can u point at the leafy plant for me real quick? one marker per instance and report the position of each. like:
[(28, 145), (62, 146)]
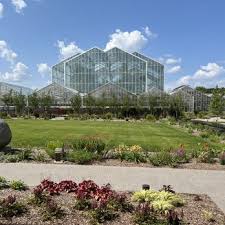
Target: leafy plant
[(52, 210), (150, 118), (174, 218), (144, 196), (209, 216), (167, 188), (39, 196), (161, 201), (10, 207), (206, 156), (18, 185), (25, 154), (145, 214), (222, 158), (81, 157), (11, 158), (101, 213), (108, 116), (3, 183), (89, 143), (180, 155), (162, 205), (163, 159), (133, 153)]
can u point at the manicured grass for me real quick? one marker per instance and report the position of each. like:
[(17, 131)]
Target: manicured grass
[(152, 136)]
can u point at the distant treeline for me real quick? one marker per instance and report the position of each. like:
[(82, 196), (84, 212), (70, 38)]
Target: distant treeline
[(211, 90)]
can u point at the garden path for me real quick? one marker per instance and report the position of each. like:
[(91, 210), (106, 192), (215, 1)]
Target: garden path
[(208, 182)]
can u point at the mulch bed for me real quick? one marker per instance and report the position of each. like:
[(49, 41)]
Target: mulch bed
[(193, 211)]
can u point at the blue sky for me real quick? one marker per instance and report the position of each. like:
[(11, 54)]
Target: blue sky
[(188, 37)]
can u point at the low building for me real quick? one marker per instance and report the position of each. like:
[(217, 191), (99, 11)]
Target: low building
[(59, 93), (5, 88), (194, 100)]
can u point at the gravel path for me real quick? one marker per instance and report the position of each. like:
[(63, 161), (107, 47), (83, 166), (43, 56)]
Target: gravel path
[(207, 182)]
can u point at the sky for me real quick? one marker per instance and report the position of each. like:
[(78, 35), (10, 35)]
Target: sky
[(187, 36)]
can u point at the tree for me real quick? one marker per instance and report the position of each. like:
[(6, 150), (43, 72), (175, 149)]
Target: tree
[(176, 106), (152, 103), (8, 99), (33, 102), (76, 103), (217, 103), (46, 102), (19, 101)]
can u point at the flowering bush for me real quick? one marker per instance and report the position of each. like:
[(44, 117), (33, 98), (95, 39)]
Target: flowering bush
[(180, 155), (207, 154), (133, 153)]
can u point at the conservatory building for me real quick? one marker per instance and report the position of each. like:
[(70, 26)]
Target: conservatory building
[(96, 70)]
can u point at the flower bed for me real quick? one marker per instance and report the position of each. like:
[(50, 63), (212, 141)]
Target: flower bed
[(84, 203)]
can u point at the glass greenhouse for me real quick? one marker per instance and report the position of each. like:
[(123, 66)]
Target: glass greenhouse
[(5, 88), (88, 71)]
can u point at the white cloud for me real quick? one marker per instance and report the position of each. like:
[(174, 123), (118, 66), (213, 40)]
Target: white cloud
[(19, 5), (18, 73), (174, 69), (149, 33), (209, 76), (170, 61), (6, 53), (1, 10), (129, 41), (67, 50), (172, 64), (44, 69), (185, 80), (211, 70)]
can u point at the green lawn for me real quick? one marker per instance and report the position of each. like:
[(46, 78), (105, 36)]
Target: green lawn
[(151, 136)]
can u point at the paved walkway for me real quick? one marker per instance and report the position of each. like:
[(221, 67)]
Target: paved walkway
[(211, 182)]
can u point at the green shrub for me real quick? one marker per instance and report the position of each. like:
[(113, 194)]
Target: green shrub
[(207, 154), (40, 156), (11, 158), (150, 118), (204, 134), (3, 183), (132, 157), (81, 157), (3, 115), (54, 144), (51, 146), (222, 158), (108, 116), (163, 159), (18, 185), (85, 116), (89, 143), (25, 154)]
